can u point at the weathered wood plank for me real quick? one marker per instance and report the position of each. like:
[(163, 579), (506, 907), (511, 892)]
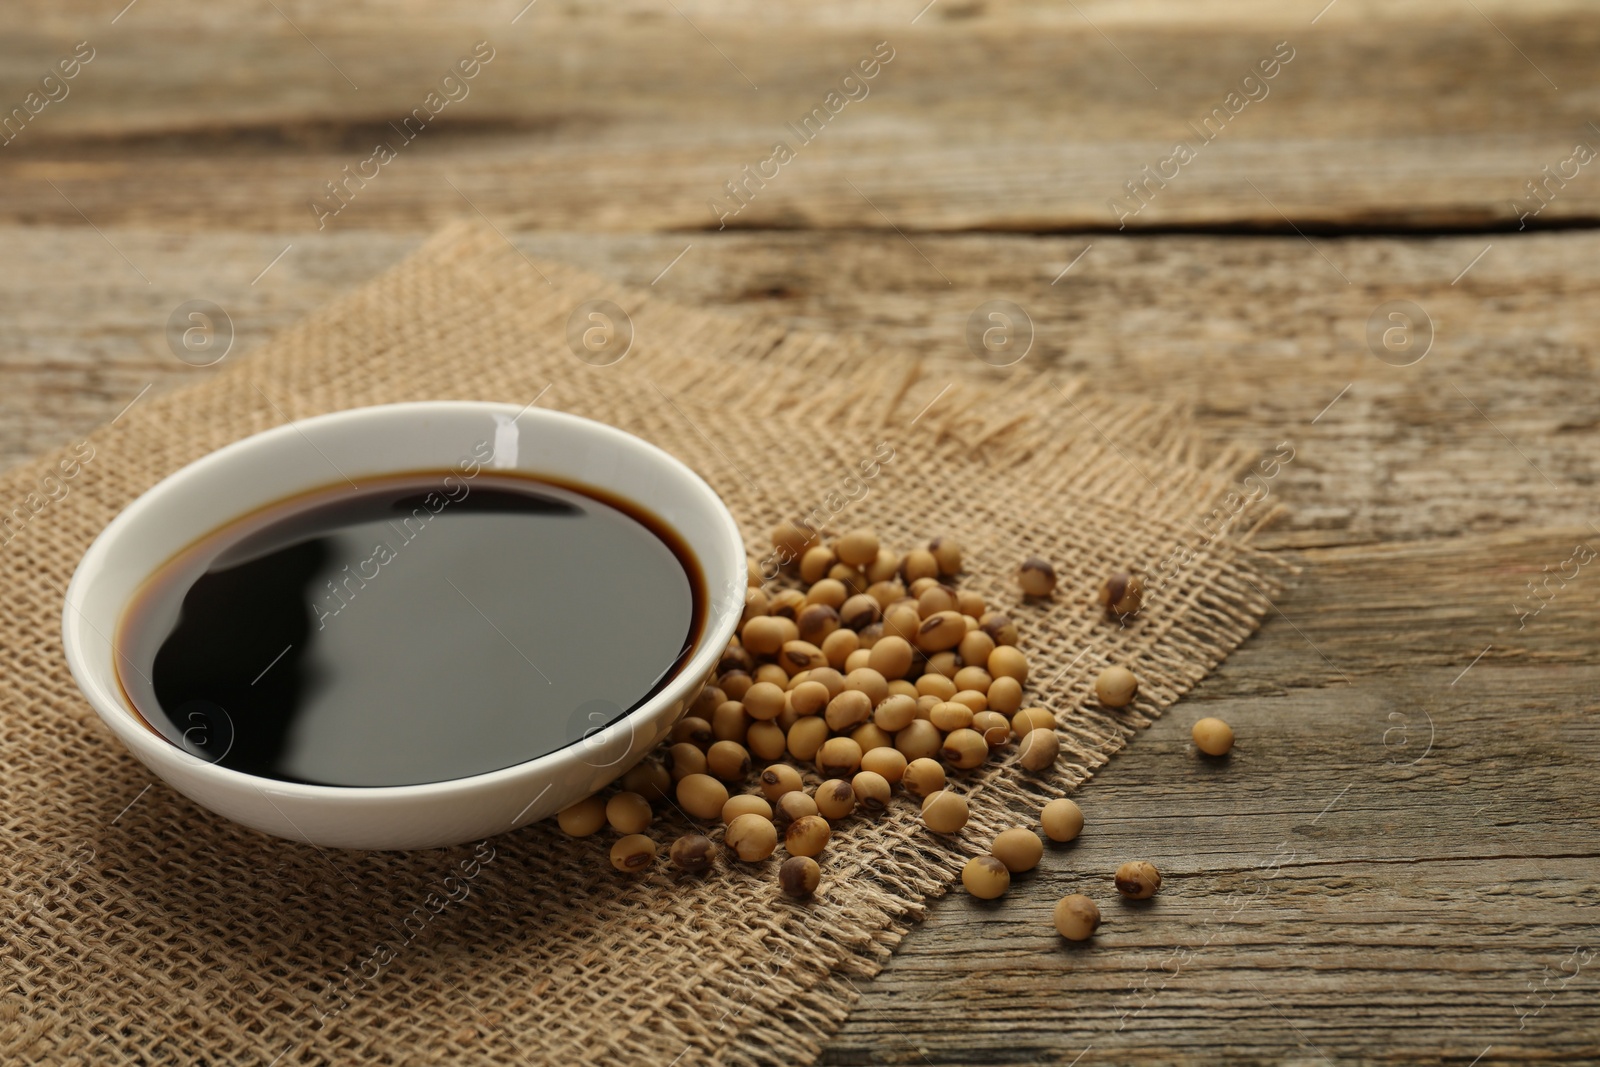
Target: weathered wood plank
[(1338, 890), (1259, 334), (1020, 117)]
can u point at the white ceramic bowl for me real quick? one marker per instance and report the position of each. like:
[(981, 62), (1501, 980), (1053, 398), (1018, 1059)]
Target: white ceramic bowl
[(282, 462)]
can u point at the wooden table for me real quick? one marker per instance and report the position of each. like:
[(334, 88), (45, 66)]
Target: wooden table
[(1409, 816)]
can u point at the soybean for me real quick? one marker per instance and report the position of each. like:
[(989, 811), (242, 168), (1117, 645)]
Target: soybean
[(937, 598), (767, 740), (1007, 662), (883, 568), (902, 620), (886, 592), (799, 877), (829, 678), (778, 779), (809, 697), (746, 804), (692, 853), (948, 715), (1123, 594), (923, 777), (816, 622), (1076, 917), (972, 700), (975, 647), (1019, 849), (728, 760), (765, 634), (944, 812), (1036, 577), (702, 796), (629, 813), (850, 577), (995, 727), (985, 877), (919, 563), (1116, 687), (921, 738), (965, 749), (633, 854), (685, 759), (797, 656), (770, 673), (891, 656), (1137, 880), (848, 709), (835, 799), (829, 592), (583, 818), (806, 737), (872, 792), (786, 604), (838, 646), (888, 761), (786, 718), (730, 721), (694, 730), (839, 756), (868, 681), (649, 779), (1062, 819), (858, 548), (707, 702), (999, 627), (973, 678), (944, 664), (735, 658), (946, 552), (1032, 719), (1038, 749), (871, 737), (791, 539), (807, 836), (1005, 695), (940, 631), (792, 806), (751, 837), (764, 701), (895, 712), (816, 563), (733, 684), (1212, 736), (860, 611)]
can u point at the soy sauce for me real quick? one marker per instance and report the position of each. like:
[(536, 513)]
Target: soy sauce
[(419, 628)]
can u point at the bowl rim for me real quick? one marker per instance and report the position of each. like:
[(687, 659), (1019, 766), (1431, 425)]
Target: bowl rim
[(109, 703)]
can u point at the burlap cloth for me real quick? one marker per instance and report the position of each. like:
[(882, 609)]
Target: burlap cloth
[(139, 928)]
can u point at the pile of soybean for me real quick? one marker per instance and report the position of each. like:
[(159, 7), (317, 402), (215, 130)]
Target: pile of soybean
[(878, 673)]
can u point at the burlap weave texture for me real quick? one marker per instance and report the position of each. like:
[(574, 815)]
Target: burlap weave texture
[(140, 928)]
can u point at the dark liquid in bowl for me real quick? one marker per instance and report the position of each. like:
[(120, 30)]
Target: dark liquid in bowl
[(423, 628)]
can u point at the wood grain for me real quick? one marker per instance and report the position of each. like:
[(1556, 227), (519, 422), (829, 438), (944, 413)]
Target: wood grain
[(1258, 335), (991, 116), (1420, 888)]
